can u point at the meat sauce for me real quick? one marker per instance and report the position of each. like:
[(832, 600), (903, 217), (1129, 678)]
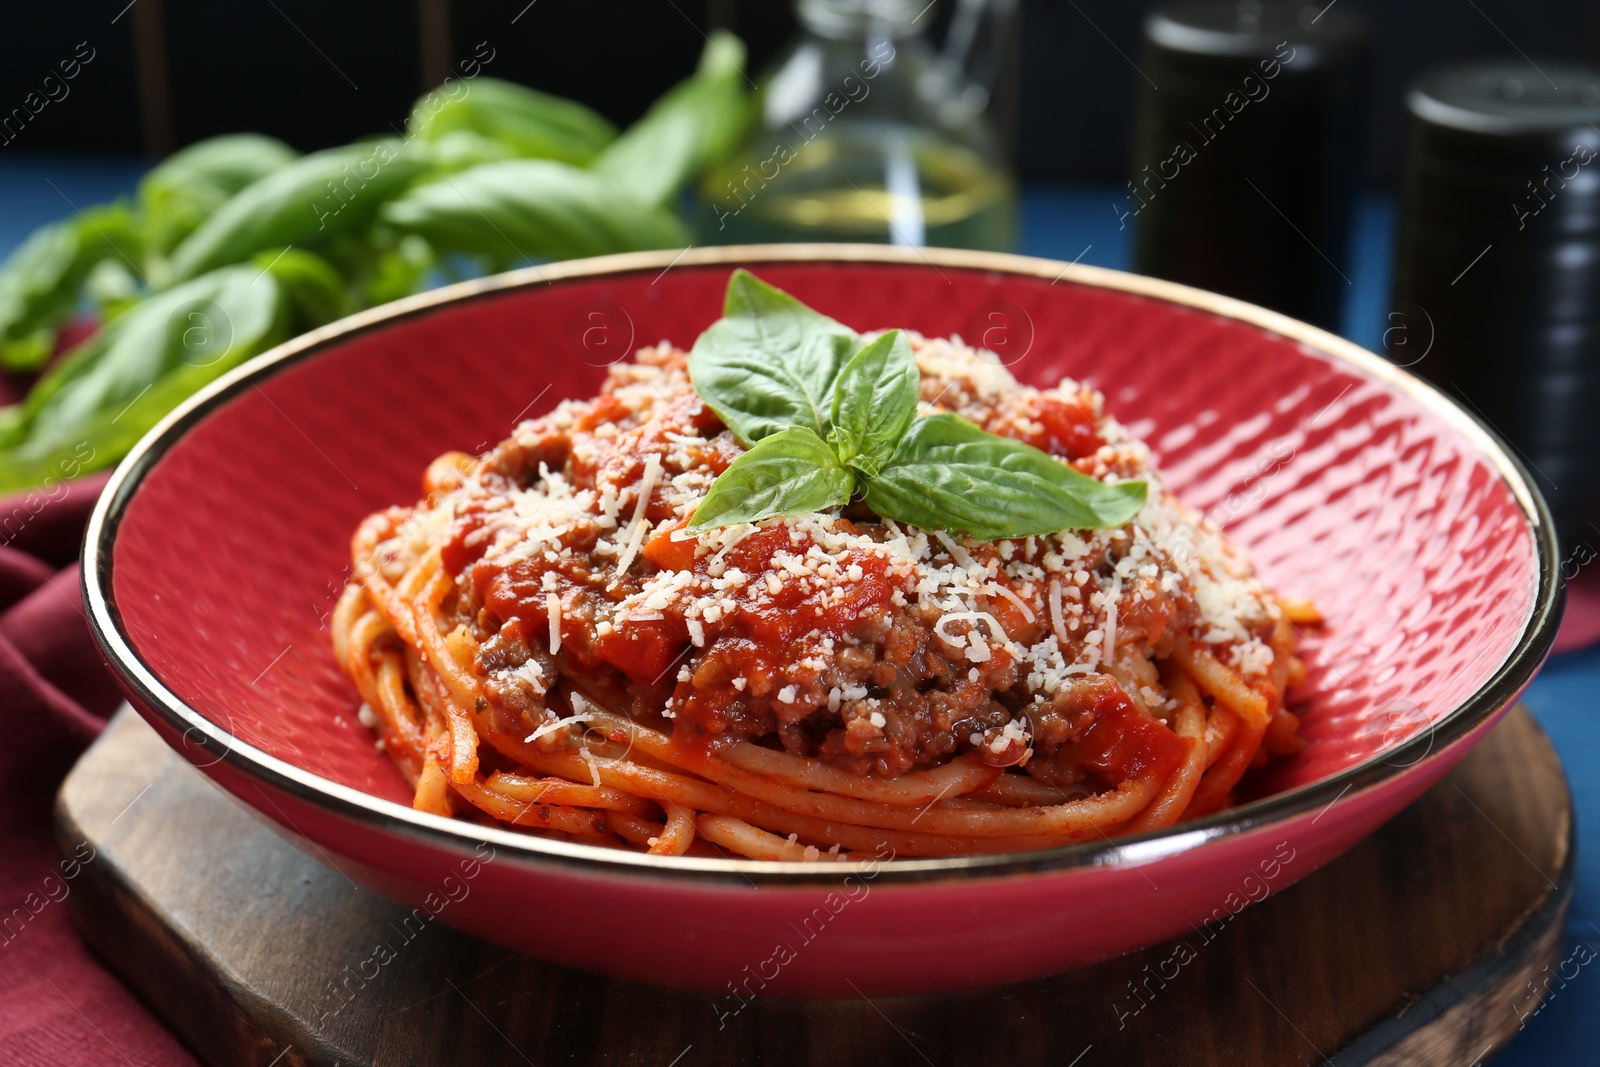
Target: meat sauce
[(848, 662)]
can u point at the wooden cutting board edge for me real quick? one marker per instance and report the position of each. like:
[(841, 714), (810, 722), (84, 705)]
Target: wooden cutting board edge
[(1450, 1017), (1445, 1023)]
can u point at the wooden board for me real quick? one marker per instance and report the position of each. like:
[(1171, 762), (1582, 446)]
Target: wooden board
[(1415, 948)]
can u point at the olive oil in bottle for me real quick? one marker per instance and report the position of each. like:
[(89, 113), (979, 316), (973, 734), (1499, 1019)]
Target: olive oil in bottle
[(867, 135)]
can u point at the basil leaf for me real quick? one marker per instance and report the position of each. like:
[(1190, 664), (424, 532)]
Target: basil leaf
[(177, 195), (788, 473), (874, 401), (42, 279), (91, 407), (112, 287), (529, 123), (39, 284), (305, 202), (317, 294), (696, 123), (531, 209), (949, 475), (380, 265), (460, 149), (770, 362)]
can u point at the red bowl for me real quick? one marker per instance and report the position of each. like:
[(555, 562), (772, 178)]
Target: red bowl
[(216, 553)]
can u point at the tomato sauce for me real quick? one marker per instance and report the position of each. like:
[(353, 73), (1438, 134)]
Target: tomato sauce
[(1123, 742), (756, 642)]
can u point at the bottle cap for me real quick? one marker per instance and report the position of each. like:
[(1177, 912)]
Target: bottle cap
[(1251, 29)]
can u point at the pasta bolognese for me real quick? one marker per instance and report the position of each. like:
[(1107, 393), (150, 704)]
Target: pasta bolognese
[(549, 639)]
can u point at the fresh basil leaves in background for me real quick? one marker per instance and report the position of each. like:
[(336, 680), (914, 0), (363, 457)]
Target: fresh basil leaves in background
[(102, 397), (542, 209), (826, 416), (240, 237), (550, 206), (694, 125), (41, 280), (181, 192), (301, 203), (527, 122)]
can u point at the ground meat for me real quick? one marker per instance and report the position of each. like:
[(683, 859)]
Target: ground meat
[(876, 648)]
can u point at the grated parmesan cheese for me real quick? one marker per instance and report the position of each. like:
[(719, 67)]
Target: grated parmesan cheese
[(1022, 605), (580, 713), (552, 607), (637, 526)]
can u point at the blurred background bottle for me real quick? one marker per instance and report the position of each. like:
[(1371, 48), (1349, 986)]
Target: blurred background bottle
[(867, 133), (1498, 261), (1246, 153)]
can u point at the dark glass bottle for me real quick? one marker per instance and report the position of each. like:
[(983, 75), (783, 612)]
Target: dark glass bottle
[(1246, 151), (1497, 265)]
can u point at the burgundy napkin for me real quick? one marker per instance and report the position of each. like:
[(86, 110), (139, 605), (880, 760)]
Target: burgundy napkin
[(58, 1005)]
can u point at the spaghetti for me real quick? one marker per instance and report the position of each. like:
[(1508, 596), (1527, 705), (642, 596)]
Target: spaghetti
[(542, 642)]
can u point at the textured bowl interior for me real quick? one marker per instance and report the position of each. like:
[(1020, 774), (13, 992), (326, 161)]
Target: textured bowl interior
[(1345, 489)]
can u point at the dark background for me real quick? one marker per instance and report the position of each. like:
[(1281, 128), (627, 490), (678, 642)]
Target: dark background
[(315, 73)]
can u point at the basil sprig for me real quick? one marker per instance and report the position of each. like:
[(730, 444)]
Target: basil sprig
[(827, 416)]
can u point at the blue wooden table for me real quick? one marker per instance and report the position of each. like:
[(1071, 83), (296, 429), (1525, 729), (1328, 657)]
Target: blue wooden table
[(1080, 223)]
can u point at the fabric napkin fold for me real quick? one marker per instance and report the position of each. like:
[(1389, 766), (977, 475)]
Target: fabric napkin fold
[(58, 1005)]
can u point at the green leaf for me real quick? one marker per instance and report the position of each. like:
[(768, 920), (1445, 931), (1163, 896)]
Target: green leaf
[(529, 123), (874, 401), (316, 291), (461, 149), (305, 202), (179, 193), (696, 123), (91, 407), (788, 473), (112, 286), (770, 362), (42, 279), (531, 209), (949, 475), (395, 270), (39, 284)]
